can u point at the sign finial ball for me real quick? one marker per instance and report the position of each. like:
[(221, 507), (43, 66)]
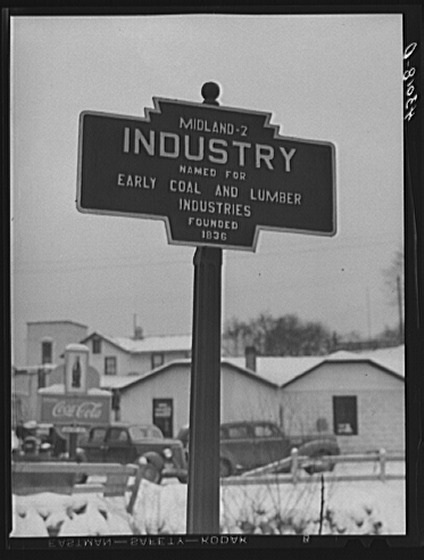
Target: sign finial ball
[(210, 92)]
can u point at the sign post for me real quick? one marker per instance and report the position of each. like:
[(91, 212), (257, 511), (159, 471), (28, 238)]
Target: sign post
[(205, 393)]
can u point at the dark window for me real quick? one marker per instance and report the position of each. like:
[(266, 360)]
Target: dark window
[(345, 411), (265, 430), (98, 434), (41, 378), (163, 416), (46, 352), (236, 432), (157, 360), (118, 434), (97, 345), (110, 365)]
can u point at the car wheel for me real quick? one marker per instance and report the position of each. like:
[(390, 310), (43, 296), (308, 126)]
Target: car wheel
[(152, 473), (225, 468)]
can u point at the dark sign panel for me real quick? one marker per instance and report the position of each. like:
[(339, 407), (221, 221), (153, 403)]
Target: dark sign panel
[(216, 175)]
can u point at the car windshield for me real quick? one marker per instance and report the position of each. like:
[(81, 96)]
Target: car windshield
[(138, 432)]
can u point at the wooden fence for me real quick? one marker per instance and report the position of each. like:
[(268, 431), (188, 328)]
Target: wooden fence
[(295, 465), (62, 477)]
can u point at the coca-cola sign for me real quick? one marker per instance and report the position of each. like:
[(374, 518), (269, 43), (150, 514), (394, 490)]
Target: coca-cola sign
[(76, 410)]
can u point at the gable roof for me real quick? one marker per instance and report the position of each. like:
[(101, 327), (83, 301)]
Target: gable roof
[(148, 344), (280, 369), (283, 370), (122, 383)]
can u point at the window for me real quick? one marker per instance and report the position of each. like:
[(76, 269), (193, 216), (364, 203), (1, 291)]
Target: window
[(47, 352), (264, 430), (41, 378), (110, 365), (163, 416), (236, 432), (157, 360), (118, 434), (98, 434), (97, 345), (345, 411)]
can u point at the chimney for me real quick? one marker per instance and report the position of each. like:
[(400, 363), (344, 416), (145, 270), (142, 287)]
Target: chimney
[(138, 331), (250, 354)]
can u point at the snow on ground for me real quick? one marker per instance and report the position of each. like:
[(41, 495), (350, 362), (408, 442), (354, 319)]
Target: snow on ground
[(355, 507)]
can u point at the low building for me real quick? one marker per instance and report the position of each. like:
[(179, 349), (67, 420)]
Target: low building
[(162, 396), (360, 397)]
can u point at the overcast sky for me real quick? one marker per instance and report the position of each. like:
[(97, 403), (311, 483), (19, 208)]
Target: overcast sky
[(331, 78)]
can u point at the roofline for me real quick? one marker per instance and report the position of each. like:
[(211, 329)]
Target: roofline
[(107, 339), (187, 361), (344, 361), (55, 322), (132, 352)]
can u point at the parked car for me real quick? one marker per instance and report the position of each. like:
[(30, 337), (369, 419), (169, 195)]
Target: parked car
[(38, 442), (134, 443), (247, 445)]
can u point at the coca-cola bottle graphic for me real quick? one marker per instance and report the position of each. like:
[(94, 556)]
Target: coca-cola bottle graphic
[(76, 373)]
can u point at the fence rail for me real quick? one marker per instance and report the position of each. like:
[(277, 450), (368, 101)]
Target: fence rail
[(62, 478), (295, 465)]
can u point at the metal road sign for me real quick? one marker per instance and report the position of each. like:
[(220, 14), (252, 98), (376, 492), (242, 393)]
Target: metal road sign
[(215, 175)]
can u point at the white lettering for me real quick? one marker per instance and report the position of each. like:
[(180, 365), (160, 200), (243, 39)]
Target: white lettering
[(265, 153), (241, 146), (201, 149), (85, 410), (224, 154), (148, 146), (287, 156), (162, 145)]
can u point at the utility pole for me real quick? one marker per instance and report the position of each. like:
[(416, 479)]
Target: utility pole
[(399, 293)]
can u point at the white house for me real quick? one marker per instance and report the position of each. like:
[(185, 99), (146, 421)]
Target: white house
[(122, 356), (162, 396)]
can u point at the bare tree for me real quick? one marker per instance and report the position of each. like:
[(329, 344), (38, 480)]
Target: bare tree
[(283, 336), (394, 280)]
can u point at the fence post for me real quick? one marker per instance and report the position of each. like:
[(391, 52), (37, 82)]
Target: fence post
[(294, 463), (383, 459)]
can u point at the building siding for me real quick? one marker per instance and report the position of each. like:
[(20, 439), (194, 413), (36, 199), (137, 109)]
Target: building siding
[(137, 400), (246, 398), (242, 397), (60, 333), (380, 405)]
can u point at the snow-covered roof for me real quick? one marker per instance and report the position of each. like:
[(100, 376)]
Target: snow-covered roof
[(279, 369), (59, 388), (165, 343), (156, 343), (122, 382), (283, 369)]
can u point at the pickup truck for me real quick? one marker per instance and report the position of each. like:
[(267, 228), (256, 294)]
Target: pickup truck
[(247, 445), (134, 443)]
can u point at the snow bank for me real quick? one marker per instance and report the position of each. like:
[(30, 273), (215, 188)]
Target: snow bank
[(49, 514), (350, 508)]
